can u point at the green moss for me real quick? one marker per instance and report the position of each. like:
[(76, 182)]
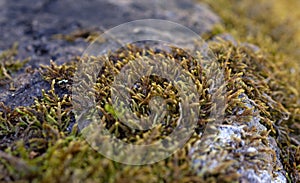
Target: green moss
[(87, 35), (40, 140), (41, 143), (9, 65), (274, 27)]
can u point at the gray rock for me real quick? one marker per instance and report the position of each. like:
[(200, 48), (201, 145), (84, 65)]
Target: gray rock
[(255, 160)]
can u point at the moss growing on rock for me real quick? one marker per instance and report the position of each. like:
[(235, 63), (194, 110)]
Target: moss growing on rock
[(41, 142), (9, 64)]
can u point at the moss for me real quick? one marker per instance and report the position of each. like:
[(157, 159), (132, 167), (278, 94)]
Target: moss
[(41, 143), (274, 27), (38, 147), (9, 64), (253, 74), (87, 35), (62, 74)]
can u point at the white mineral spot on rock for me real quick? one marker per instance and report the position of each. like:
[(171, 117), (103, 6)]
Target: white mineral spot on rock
[(251, 150)]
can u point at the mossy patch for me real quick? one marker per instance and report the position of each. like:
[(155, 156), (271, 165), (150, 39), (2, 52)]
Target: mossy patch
[(87, 35), (42, 143), (9, 64), (274, 27), (47, 147)]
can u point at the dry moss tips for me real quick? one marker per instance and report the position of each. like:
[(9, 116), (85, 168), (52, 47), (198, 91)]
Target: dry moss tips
[(140, 93)]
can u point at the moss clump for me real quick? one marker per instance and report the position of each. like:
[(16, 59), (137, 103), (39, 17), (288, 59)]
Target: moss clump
[(47, 146), (48, 149), (274, 27), (41, 143), (87, 35), (63, 74), (9, 65), (252, 73)]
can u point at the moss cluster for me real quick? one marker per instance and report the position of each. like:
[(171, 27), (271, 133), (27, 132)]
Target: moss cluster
[(87, 35), (9, 64), (274, 27), (41, 142), (255, 78)]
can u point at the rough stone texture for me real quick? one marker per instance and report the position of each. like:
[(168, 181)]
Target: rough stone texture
[(33, 25), (255, 160)]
